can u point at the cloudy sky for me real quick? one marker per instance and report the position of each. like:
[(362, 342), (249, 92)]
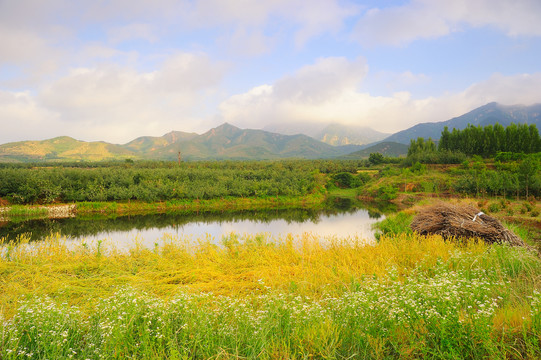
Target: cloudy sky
[(114, 70)]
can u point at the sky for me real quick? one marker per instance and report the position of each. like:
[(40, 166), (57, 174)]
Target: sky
[(114, 70)]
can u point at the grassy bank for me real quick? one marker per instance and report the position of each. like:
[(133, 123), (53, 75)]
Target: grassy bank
[(23, 211), (114, 208), (254, 297), (222, 204)]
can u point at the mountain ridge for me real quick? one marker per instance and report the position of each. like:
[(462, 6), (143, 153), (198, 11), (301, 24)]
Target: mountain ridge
[(225, 141), (488, 114)]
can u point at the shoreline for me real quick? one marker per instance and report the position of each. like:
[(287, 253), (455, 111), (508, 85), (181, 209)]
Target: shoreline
[(107, 208)]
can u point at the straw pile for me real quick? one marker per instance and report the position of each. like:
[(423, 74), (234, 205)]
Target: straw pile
[(464, 221)]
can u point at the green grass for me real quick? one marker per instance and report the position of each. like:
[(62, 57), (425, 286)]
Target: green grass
[(223, 204), (114, 208), (26, 211), (393, 225)]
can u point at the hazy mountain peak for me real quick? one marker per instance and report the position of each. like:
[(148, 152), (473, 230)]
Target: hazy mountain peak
[(175, 136), (226, 127), (340, 134), (333, 134)]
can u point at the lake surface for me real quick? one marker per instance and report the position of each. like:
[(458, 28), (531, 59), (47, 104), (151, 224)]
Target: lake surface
[(341, 220)]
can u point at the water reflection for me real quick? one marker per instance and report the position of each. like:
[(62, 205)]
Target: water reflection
[(342, 218)]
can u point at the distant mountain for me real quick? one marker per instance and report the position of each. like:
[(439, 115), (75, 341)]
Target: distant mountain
[(147, 144), (332, 134), (64, 148), (386, 148), (337, 134), (295, 128), (489, 114), (223, 142), (229, 142)]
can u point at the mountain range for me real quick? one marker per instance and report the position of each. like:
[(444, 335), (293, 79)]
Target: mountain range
[(223, 142), (229, 142), (488, 114)]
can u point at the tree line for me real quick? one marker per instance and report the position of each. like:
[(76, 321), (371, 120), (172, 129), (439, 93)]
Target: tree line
[(487, 141)]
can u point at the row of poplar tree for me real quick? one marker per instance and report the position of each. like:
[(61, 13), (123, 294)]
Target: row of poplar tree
[(487, 141)]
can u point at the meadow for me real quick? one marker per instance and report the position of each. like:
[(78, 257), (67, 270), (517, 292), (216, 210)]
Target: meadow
[(256, 297), (405, 296)]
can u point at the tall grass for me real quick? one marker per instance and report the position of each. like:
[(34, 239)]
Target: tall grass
[(255, 297)]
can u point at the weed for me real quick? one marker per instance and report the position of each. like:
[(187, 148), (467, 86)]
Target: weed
[(494, 208)]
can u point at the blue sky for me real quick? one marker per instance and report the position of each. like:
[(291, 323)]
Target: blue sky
[(118, 69)]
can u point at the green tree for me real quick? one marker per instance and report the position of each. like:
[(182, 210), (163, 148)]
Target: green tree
[(528, 169), (375, 158)]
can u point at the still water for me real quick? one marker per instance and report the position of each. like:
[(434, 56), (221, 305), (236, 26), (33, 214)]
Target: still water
[(343, 220)]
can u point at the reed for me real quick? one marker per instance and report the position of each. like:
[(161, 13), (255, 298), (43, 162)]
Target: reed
[(405, 296)]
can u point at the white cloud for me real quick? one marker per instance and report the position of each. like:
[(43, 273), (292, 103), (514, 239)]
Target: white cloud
[(307, 95), (119, 34), (322, 81), (118, 104), (310, 96), (304, 19), (318, 16), (246, 42), (417, 19), (20, 113), (400, 25)]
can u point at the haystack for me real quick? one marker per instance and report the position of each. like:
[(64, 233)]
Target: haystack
[(462, 221)]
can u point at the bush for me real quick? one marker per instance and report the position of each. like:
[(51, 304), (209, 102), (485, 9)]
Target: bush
[(387, 193), (493, 208), (375, 158), (364, 178), (345, 180)]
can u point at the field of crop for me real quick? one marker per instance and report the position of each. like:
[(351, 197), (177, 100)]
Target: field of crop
[(257, 297)]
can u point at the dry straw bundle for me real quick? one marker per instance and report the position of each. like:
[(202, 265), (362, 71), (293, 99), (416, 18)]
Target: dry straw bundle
[(464, 221)]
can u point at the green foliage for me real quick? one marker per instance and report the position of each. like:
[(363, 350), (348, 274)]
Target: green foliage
[(494, 208), (393, 225), (506, 156), (345, 180), (418, 168), (435, 157), (490, 140), (519, 179), (420, 146), (376, 159), (386, 193), (364, 178), (162, 181)]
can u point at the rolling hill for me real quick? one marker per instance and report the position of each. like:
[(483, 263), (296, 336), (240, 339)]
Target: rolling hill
[(147, 144), (488, 114), (386, 148), (223, 142), (63, 148), (229, 142)]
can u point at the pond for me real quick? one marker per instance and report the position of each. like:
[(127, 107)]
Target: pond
[(341, 219)]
